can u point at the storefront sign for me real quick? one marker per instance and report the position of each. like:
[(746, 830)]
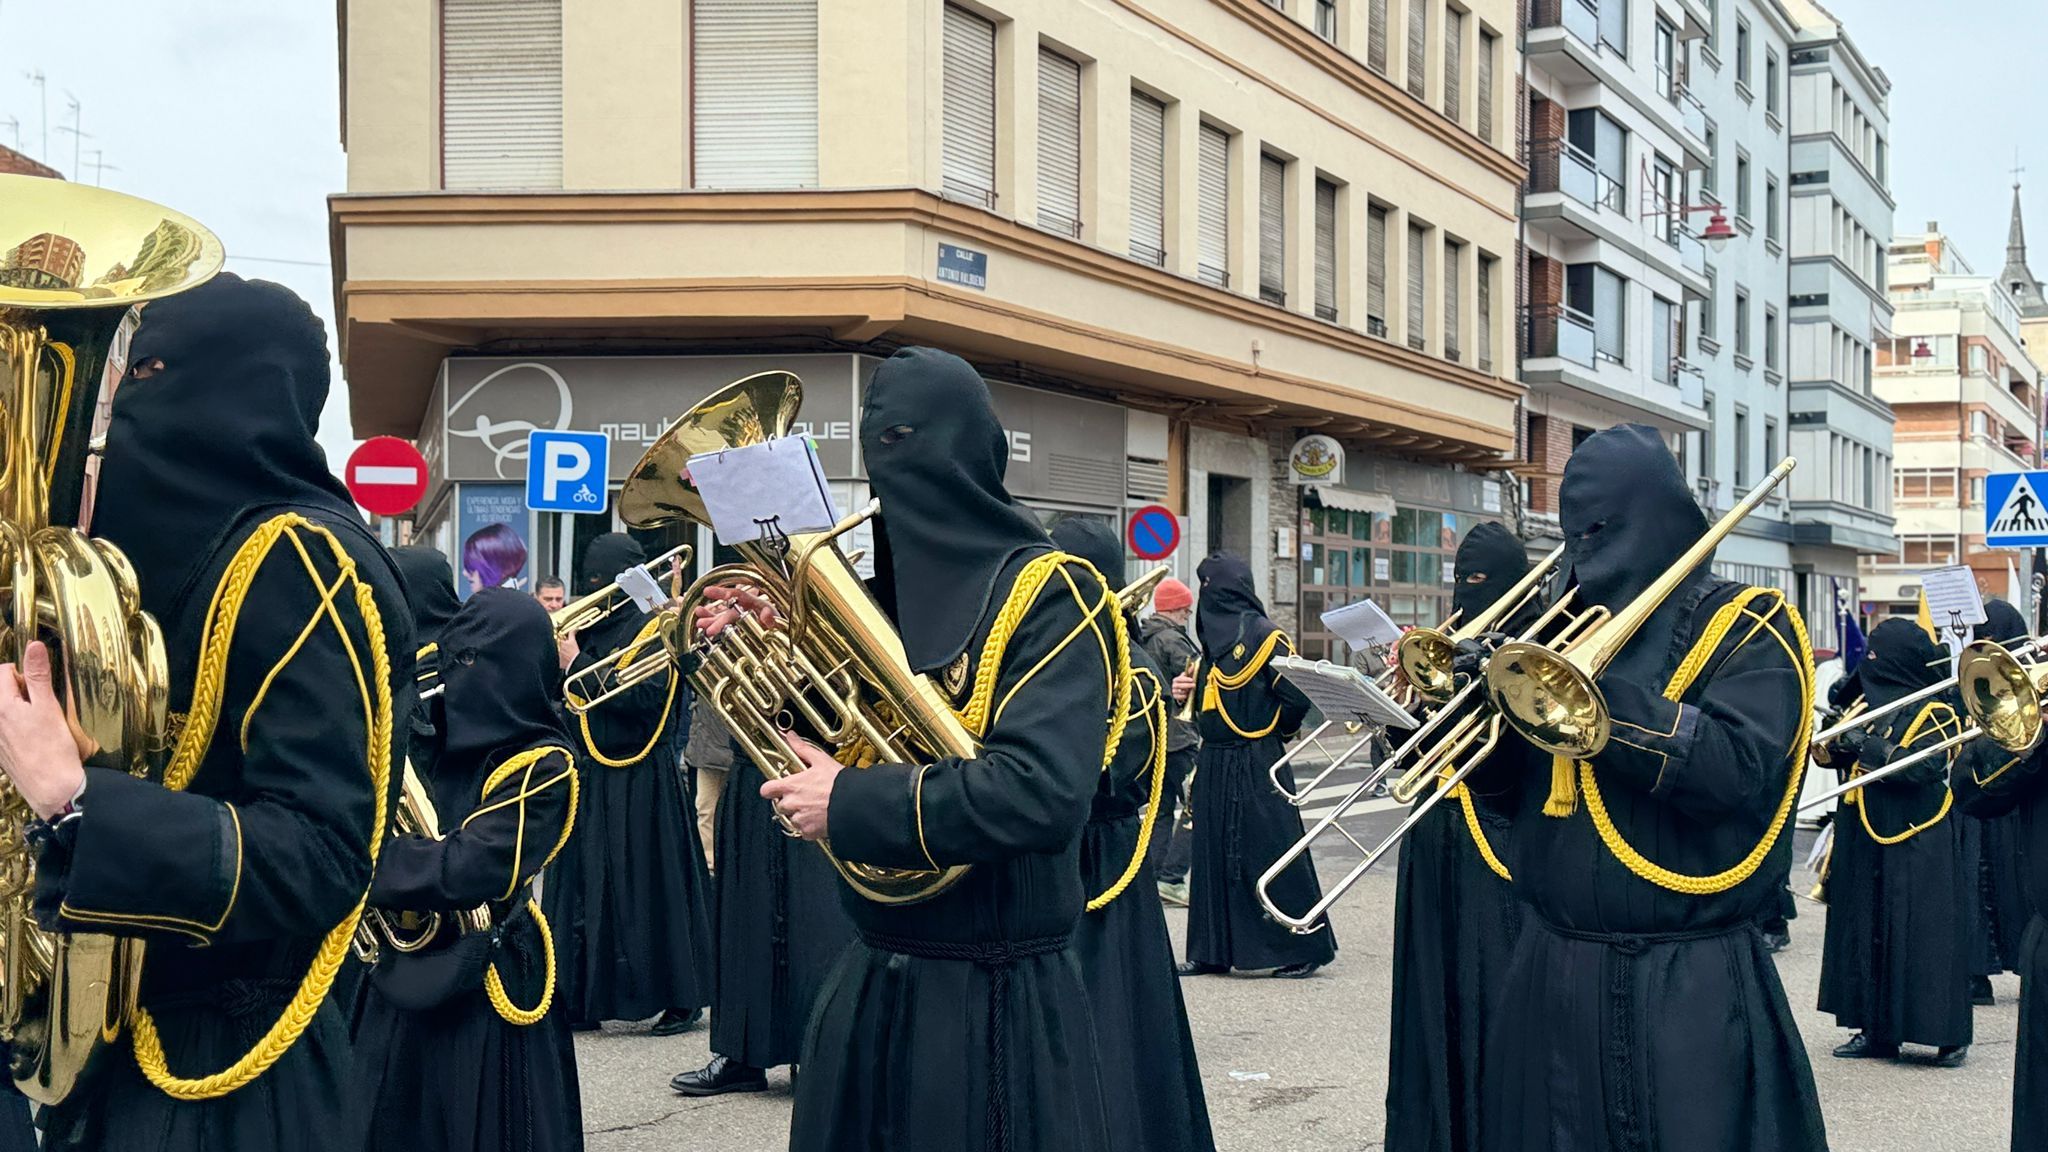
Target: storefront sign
[(1316, 459)]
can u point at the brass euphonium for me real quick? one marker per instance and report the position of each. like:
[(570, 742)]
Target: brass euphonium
[(73, 261), (411, 931), (831, 657)]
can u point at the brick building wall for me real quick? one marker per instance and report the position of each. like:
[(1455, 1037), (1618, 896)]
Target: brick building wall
[(13, 163)]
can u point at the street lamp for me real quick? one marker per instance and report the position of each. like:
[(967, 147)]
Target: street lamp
[(1719, 231), (1921, 351)]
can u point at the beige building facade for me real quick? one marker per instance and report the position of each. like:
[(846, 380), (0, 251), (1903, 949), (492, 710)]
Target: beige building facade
[(1213, 224)]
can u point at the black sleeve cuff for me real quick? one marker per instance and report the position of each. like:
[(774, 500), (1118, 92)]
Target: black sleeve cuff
[(874, 816), (1650, 736)]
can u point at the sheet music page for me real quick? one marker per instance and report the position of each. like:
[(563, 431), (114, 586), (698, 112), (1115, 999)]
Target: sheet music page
[(1362, 624), (775, 480), (1342, 693)]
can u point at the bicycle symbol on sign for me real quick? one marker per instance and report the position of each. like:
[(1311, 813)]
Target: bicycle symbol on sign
[(584, 495)]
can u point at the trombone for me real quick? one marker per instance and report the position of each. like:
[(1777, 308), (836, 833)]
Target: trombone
[(1137, 593), (1468, 735), (630, 670), (2001, 691)]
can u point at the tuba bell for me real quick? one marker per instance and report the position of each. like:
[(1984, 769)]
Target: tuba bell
[(832, 658), (73, 261)]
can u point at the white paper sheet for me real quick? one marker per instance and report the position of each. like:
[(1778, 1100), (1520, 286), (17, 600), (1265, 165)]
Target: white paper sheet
[(778, 482), (1362, 624)]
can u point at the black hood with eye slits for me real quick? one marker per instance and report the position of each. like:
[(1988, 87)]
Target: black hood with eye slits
[(936, 458), (1493, 553), (501, 677)]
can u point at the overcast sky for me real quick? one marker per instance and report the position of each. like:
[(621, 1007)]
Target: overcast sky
[(226, 110)]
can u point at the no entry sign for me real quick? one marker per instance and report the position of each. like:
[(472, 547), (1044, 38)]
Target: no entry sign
[(1153, 532), (386, 475)]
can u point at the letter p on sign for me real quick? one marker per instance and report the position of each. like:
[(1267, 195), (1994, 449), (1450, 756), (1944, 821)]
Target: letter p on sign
[(567, 471)]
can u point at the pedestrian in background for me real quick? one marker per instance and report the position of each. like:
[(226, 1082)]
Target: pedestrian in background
[(1164, 636)]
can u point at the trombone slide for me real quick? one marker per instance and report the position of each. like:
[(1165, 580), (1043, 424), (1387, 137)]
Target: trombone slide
[(1299, 795), (1969, 733)]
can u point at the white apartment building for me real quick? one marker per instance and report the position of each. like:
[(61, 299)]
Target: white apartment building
[(1736, 339), (1840, 214)]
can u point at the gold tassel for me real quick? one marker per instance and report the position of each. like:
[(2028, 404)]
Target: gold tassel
[(1211, 698), (1564, 788)]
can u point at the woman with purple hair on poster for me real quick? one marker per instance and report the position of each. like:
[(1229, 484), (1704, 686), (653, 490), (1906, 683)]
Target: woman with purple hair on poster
[(494, 557)]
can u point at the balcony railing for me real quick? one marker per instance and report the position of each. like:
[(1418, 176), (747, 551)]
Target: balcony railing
[(1559, 166), (1578, 17), (1691, 252), (1691, 113), (1553, 331)]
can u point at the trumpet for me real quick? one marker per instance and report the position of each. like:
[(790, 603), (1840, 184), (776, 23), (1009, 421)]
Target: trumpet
[(1448, 747), (2001, 691), (622, 670), (408, 932), (1547, 692)]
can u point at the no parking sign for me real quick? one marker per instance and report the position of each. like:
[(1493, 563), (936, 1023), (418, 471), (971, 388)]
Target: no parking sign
[(1153, 532)]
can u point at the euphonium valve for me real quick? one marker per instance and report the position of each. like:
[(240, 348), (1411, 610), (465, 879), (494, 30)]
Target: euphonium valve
[(73, 261)]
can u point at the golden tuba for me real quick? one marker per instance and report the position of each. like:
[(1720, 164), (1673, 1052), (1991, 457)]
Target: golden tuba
[(831, 658), (73, 261)]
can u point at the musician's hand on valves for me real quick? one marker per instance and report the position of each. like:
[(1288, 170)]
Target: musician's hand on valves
[(1470, 660), (805, 798), (38, 750), (1183, 686), (566, 650), (724, 604)]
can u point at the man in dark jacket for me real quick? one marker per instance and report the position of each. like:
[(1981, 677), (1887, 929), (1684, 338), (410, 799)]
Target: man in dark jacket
[(1164, 635)]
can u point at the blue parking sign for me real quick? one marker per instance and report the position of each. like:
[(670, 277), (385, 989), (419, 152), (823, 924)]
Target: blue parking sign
[(566, 471)]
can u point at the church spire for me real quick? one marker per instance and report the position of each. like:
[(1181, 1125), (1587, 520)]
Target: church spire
[(2018, 280)]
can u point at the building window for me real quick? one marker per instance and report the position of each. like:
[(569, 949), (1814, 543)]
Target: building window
[(754, 82), (1059, 143), (1614, 28), (1741, 186), (1489, 267), (1326, 20), (501, 94), (1980, 425), (1488, 45), (1596, 292), (1454, 291), (1604, 140), (1770, 443), (1771, 338), (1376, 36), (1714, 26), (1376, 271), (1742, 54), (1666, 56), (1418, 37), (968, 141), (1708, 331), (1326, 250), (1741, 448), (1771, 83), (1664, 187), (1418, 289), (1980, 361), (1272, 229), (1148, 179), (1707, 461), (1770, 207), (1663, 340), (1212, 208), (1710, 182), (1454, 54), (1741, 322)]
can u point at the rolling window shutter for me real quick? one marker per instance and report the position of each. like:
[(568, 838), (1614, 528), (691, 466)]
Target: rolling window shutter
[(1376, 36), (756, 92), (1272, 230), (1212, 224), (1418, 317), (1059, 143), (501, 94), (969, 136), (1418, 35), (1376, 270), (1148, 179), (1326, 250), (1454, 46)]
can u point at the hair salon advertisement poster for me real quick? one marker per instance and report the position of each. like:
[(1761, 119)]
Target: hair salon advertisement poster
[(492, 520)]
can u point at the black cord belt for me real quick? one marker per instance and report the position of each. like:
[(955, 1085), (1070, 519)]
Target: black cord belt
[(1633, 943), (998, 956)]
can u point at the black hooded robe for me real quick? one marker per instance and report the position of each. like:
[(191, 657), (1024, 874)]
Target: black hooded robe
[(1635, 1016), (1994, 784), (780, 927), (1901, 905), (961, 1023), (438, 1068), (1242, 824), (1990, 847), (630, 898), (1151, 1079), (236, 880), (1455, 921)]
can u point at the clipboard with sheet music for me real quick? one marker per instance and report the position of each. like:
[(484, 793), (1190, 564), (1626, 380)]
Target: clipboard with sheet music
[(1342, 692)]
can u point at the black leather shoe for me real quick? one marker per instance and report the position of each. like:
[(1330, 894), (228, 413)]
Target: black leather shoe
[(719, 1077), (1951, 1056), (1193, 969), (1775, 942), (1860, 1047), (1295, 971), (674, 1023), (1980, 992)]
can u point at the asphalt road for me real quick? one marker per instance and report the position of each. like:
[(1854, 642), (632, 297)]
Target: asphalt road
[(1301, 1065)]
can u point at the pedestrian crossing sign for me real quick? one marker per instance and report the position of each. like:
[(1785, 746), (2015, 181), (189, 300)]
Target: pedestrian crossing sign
[(2014, 515)]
